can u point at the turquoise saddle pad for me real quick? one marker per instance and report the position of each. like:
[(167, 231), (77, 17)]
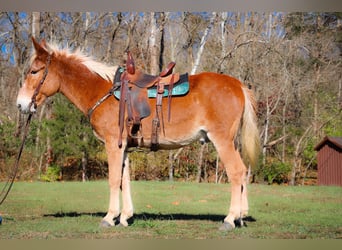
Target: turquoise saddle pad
[(180, 88)]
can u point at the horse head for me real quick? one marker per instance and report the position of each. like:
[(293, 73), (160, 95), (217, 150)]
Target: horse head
[(40, 80)]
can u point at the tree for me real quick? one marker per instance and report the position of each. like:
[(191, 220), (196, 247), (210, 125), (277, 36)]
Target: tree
[(202, 43), (317, 55)]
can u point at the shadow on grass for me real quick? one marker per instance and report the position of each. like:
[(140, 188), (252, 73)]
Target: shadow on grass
[(147, 216), (155, 216)]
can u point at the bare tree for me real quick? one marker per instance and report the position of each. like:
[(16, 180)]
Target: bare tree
[(113, 35), (155, 41), (203, 42), (36, 24)]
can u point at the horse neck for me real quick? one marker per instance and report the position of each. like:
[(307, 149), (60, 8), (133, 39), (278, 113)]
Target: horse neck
[(82, 87)]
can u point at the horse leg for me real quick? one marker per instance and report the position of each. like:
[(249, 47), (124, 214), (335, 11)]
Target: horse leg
[(244, 204), (127, 206), (236, 172), (115, 163)]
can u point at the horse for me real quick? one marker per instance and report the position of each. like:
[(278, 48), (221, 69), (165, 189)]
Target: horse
[(218, 108)]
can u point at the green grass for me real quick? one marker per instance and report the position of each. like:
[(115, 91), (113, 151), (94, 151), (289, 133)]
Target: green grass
[(164, 210)]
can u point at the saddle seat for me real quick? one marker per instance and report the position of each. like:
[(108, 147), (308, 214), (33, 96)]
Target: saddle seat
[(142, 80)]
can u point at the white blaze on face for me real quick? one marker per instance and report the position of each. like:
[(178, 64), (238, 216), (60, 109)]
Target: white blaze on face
[(24, 101)]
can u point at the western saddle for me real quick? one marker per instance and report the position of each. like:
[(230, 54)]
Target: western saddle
[(133, 98)]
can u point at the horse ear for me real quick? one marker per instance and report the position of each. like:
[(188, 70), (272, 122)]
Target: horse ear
[(43, 44), (39, 47)]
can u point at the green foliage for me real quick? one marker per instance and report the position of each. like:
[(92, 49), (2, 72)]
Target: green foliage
[(8, 141), (9, 144), (309, 153), (68, 129), (155, 165), (52, 174), (298, 22), (69, 132), (149, 166), (333, 125), (276, 172)]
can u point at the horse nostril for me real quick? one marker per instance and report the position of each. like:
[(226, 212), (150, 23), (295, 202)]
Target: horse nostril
[(19, 106)]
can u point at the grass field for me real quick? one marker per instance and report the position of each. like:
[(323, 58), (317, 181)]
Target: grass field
[(165, 210)]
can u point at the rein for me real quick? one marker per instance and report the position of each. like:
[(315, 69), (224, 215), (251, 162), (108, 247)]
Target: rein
[(11, 179), (6, 189)]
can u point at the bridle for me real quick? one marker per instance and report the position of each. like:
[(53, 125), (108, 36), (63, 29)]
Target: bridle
[(36, 91), (6, 189)]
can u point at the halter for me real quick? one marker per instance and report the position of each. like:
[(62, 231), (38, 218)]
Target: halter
[(36, 92), (6, 189)]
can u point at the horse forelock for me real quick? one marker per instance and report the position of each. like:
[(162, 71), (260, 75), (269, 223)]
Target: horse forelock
[(77, 56)]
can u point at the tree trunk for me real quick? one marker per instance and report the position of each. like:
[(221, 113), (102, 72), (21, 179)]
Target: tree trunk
[(17, 58), (172, 40), (49, 149), (39, 149), (154, 49), (283, 150), (171, 167), (35, 24), (172, 158), (339, 103), (35, 29), (203, 42), (84, 161), (297, 157), (200, 163), (269, 26), (85, 30), (223, 20), (266, 127), (315, 124), (111, 41)]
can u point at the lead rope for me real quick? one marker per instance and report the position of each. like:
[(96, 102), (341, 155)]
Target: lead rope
[(11, 179), (9, 183)]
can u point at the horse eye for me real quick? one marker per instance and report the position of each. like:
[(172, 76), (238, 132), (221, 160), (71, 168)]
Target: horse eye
[(33, 72)]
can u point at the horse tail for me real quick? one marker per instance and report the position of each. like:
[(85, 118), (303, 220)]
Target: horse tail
[(250, 140)]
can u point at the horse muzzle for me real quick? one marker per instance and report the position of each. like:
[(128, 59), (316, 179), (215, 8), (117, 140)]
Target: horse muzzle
[(25, 105)]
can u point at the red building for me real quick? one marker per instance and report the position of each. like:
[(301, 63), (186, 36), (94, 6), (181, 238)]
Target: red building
[(329, 161)]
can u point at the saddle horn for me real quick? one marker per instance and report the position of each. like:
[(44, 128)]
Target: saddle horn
[(130, 67)]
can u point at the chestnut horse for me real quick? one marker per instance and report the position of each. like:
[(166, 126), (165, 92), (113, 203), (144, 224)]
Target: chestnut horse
[(215, 108)]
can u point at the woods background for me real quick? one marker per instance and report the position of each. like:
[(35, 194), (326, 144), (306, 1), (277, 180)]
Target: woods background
[(291, 60)]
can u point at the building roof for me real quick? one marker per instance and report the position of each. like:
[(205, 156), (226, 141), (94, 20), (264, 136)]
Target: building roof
[(337, 141)]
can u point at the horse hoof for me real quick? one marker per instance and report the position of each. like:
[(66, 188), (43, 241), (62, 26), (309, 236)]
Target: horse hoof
[(121, 225), (124, 223), (226, 226), (105, 224)]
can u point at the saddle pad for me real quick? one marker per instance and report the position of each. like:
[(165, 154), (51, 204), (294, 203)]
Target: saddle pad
[(179, 89)]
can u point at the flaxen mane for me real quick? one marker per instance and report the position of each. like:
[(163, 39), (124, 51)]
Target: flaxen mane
[(103, 70)]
